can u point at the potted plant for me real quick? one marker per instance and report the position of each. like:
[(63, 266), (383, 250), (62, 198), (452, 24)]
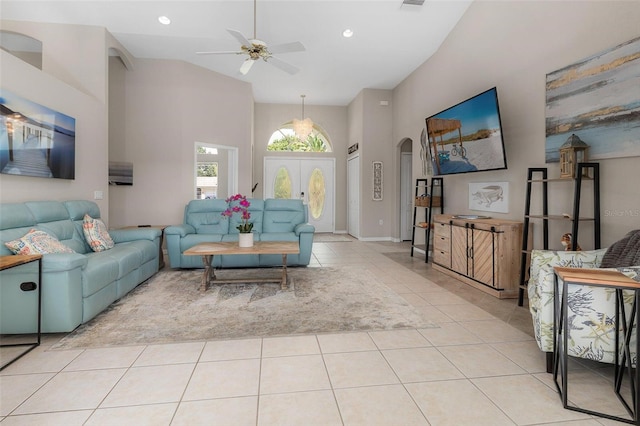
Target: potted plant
[(238, 203)]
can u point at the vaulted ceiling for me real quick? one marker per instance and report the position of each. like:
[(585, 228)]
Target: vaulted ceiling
[(390, 39)]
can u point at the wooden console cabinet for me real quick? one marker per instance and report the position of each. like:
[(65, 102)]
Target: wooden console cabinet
[(484, 253)]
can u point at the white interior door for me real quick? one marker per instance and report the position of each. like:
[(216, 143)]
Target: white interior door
[(309, 178), (353, 196), (406, 197)]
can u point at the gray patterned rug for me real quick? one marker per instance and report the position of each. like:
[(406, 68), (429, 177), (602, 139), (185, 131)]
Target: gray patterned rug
[(169, 308)]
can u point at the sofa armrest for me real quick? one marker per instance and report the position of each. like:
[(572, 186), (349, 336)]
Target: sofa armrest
[(56, 262), (126, 235), (541, 283), (181, 230), (304, 228)]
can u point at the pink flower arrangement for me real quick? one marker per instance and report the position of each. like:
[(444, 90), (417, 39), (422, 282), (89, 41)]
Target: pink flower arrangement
[(240, 205)]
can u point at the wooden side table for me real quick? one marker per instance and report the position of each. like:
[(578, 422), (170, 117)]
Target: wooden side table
[(623, 360), (16, 261)]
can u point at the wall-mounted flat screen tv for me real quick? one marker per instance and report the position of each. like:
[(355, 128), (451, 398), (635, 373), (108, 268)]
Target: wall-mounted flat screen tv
[(35, 140), (468, 136)]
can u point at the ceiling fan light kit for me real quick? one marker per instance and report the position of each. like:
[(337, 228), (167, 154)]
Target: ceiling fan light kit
[(258, 49)]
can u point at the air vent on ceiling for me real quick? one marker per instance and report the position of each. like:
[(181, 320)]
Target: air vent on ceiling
[(413, 2)]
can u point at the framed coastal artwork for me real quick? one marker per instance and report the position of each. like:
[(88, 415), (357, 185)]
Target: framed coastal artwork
[(35, 140), (598, 100)]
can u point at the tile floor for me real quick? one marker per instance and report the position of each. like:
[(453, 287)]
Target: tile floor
[(480, 367)]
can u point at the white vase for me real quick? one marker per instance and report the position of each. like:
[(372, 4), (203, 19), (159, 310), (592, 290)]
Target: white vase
[(245, 239)]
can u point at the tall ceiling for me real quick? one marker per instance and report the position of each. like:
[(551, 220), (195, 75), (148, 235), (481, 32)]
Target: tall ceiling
[(390, 39)]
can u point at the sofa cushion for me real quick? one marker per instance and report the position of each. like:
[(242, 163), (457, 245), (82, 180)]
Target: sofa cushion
[(53, 218), (128, 257), (47, 211), (15, 216), (192, 239), (78, 208), (282, 215), (37, 242), (101, 270), (95, 232), (279, 236), (206, 216)]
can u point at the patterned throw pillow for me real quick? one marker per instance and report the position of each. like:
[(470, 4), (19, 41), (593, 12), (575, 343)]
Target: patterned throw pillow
[(37, 242), (95, 232)]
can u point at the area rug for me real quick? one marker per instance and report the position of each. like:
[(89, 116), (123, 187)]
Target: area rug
[(170, 308), (331, 238)]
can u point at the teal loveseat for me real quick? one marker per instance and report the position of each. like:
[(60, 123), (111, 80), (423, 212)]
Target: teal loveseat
[(75, 286), (273, 220)]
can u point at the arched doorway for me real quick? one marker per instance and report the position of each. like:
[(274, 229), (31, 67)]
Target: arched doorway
[(406, 189)]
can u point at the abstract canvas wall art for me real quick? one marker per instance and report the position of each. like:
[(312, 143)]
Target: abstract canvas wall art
[(597, 99)]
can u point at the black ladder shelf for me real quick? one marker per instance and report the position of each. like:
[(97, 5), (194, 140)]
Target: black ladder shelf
[(542, 178), (436, 189)]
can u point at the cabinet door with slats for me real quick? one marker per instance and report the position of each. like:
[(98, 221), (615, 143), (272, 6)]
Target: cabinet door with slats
[(459, 249), (483, 265)]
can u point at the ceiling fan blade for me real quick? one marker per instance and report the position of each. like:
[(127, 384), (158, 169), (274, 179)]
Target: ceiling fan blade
[(220, 53), (296, 46), (241, 38), (246, 66), (284, 66)]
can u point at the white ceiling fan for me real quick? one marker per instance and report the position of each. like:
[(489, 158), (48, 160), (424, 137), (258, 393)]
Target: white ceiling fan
[(258, 49)]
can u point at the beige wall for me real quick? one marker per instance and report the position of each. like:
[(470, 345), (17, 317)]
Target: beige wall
[(513, 45), (377, 145), (159, 110), (72, 81), (331, 119)]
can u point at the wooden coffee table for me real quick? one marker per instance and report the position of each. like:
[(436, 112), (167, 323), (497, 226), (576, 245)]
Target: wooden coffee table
[(208, 250)]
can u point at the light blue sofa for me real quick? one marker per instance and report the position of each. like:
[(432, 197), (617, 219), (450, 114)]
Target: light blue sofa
[(273, 220), (75, 286)]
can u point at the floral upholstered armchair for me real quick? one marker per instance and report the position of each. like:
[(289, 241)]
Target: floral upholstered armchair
[(591, 309)]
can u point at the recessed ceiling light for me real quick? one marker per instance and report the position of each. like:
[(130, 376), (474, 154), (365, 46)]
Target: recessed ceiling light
[(164, 20), (347, 33)]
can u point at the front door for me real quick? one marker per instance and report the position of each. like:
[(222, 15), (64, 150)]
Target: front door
[(311, 179)]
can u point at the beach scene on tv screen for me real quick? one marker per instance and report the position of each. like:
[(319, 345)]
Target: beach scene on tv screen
[(467, 137)]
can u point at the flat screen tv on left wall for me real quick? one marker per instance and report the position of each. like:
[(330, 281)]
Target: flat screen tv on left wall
[(35, 140)]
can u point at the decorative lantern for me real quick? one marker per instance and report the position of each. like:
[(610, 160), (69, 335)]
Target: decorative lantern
[(572, 152)]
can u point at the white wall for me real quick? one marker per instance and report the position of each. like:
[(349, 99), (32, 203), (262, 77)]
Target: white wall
[(72, 81), (513, 45)]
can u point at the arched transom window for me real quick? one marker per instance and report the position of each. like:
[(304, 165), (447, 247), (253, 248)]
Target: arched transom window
[(285, 139)]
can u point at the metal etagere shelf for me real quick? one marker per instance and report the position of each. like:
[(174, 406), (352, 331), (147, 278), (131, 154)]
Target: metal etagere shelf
[(427, 197)]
